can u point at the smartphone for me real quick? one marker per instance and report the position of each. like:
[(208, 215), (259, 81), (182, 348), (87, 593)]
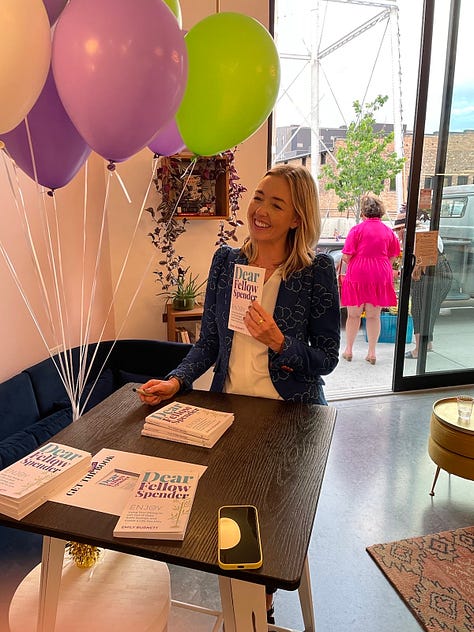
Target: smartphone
[(239, 537)]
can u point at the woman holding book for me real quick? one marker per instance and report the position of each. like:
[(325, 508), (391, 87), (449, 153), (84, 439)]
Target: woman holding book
[(292, 335), (294, 331)]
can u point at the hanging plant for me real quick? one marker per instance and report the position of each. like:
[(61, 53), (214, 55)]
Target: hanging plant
[(173, 187)]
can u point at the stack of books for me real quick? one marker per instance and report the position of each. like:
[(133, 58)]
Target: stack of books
[(28, 483), (187, 424), (159, 506)]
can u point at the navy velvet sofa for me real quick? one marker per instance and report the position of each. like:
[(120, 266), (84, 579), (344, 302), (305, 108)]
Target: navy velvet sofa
[(34, 405)]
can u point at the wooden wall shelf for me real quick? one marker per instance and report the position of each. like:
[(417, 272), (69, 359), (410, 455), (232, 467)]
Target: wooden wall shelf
[(183, 323), (206, 186)]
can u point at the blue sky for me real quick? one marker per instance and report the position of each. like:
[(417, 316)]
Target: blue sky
[(362, 68)]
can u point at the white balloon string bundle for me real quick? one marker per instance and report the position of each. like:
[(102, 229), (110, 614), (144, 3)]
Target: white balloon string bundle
[(59, 341), (120, 276)]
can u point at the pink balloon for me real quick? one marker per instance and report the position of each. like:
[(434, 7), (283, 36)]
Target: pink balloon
[(120, 68), (58, 149), (54, 8), (168, 141)]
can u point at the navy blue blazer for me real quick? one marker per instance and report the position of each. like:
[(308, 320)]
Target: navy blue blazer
[(307, 313)]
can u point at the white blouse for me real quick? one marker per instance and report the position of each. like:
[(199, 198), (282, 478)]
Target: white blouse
[(248, 373)]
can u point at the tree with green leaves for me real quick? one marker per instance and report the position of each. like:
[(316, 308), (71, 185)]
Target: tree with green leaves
[(364, 162)]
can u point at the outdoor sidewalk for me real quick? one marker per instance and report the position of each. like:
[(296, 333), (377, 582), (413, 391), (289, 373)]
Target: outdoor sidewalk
[(453, 344), (358, 378)]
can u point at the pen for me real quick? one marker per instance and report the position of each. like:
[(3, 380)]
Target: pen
[(141, 391)]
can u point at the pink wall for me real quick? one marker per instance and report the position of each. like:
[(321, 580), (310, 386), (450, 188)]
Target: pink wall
[(125, 239), (24, 342)]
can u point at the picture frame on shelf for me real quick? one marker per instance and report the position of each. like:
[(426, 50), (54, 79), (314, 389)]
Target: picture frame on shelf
[(197, 185)]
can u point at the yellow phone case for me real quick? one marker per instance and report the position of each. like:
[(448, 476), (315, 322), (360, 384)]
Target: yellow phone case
[(238, 535)]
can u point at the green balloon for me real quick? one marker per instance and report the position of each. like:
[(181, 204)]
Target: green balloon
[(233, 82), (176, 8)]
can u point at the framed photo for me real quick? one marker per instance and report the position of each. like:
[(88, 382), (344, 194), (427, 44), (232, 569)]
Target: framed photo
[(198, 186)]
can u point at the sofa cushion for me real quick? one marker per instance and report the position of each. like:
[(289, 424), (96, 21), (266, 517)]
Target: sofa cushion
[(18, 408), (21, 443), (47, 383), (16, 446), (125, 377), (104, 387), (44, 429)]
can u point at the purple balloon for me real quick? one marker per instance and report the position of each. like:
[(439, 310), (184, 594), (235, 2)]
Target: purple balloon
[(168, 141), (54, 8), (59, 150), (120, 68)]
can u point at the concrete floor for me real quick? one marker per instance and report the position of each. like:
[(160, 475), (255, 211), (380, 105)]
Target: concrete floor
[(375, 490)]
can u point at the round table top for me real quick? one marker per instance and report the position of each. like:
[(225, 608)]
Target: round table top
[(446, 410)]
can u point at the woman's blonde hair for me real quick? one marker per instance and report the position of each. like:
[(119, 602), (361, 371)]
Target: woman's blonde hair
[(302, 240)]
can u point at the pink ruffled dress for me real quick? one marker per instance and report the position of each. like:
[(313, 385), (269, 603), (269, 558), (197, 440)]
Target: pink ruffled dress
[(369, 276)]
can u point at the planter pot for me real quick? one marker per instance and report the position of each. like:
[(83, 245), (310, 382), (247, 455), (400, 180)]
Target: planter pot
[(183, 304), (388, 328)]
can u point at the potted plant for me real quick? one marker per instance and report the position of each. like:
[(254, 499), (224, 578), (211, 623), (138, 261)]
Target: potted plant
[(185, 290)]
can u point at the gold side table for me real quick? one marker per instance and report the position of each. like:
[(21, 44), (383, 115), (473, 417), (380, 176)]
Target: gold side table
[(451, 441)]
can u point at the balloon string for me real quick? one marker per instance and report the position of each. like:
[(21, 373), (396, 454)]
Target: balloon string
[(82, 345), (20, 206), (122, 185), (18, 194), (188, 172), (88, 326), (28, 305), (120, 277)]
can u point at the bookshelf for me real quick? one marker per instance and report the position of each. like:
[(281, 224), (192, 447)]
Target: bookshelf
[(182, 322)]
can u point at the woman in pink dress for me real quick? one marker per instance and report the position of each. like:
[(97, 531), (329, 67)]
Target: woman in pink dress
[(369, 250)]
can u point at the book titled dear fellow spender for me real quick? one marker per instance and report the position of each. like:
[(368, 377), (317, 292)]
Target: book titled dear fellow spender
[(159, 506), (247, 286)]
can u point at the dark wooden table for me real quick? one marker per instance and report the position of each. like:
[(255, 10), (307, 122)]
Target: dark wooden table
[(273, 456)]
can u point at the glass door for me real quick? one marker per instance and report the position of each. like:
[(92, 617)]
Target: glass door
[(437, 277)]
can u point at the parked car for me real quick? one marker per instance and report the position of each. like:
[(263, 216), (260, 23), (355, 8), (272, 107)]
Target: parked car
[(332, 247), (456, 228)]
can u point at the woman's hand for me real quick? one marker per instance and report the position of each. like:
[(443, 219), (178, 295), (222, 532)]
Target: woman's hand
[(155, 391), (263, 328)]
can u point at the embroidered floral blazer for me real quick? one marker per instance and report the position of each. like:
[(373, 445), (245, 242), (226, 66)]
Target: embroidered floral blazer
[(307, 313)]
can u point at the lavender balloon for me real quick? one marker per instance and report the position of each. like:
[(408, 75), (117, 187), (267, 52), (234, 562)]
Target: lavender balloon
[(59, 150), (168, 141), (120, 68)]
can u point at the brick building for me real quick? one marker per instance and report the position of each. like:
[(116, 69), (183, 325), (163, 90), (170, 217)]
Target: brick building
[(294, 145)]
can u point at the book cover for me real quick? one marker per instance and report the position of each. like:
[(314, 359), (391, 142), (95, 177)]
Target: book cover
[(112, 477), (28, 483), (247, 286), (194, 421), (22, 478), (159, 506)]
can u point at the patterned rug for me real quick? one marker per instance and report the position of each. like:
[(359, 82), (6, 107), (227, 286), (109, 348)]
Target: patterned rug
[(434, 574)]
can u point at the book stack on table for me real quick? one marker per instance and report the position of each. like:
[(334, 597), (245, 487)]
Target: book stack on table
[(186, 423), (28, 483)]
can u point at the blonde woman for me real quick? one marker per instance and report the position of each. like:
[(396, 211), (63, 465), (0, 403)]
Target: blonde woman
[(294, 331)]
